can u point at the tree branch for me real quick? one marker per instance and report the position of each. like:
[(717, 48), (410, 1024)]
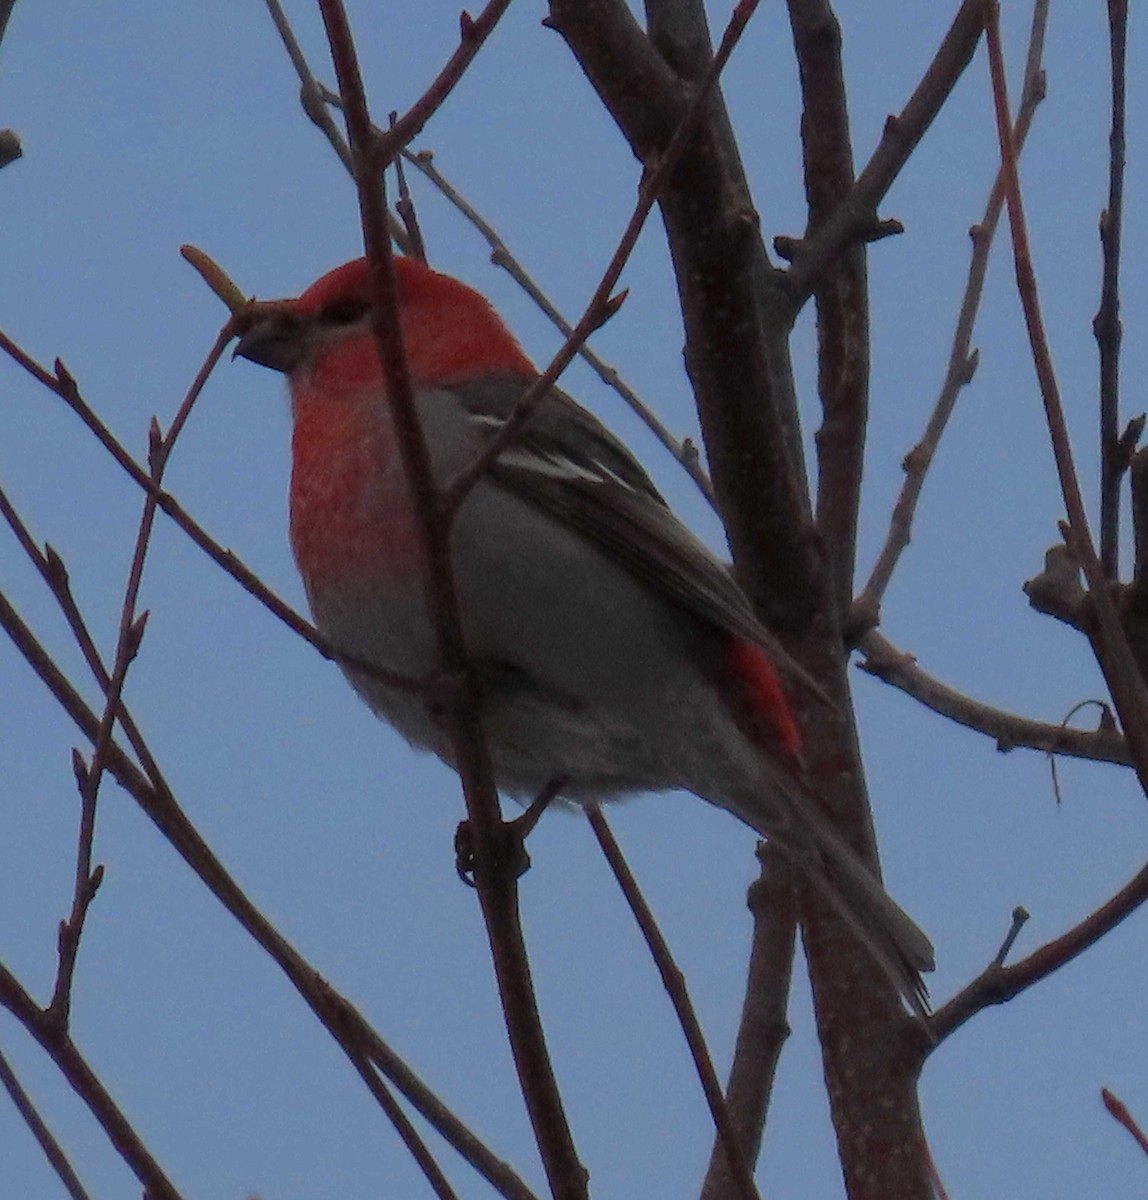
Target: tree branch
[(763, 1027), (856, 216), (1106, 324), (997, 984), (1009, 731)]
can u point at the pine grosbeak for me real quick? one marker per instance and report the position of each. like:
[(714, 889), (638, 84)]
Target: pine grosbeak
[(612, 649)]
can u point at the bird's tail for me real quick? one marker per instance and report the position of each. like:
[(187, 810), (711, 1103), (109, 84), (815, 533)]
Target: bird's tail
[(890, 935)]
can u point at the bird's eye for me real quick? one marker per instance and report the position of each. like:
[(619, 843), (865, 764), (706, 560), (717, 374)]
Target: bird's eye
[(344, 312)]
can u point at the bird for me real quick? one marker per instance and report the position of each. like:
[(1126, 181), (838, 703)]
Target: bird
[(613, 651)]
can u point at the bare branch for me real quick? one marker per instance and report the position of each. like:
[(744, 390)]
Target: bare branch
[(358, 1040), (494, 844), (1119, 1111), (763, 1027), (601, 305), (856, 215), (86, 1084), (842, 293), (998, 984), (962, 358), (473, 32), (64, 386), (1106, 324), (1009, 731)]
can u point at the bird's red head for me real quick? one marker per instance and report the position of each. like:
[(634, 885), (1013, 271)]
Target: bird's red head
[(450, 331)]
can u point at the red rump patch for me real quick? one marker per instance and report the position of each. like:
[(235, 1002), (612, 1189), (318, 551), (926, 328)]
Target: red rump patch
[(772, 723)]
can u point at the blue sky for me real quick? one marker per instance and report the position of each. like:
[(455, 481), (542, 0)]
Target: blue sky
[(149, 126)]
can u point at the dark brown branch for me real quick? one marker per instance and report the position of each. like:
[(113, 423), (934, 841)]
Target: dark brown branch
[(53, 1151), (736, 1163), (763, 1027), (10, 147), (856, 215), (1008, 730), (841, 294), (734, 306), (640, 91), (1106, 324), (1139, 486), (494, 870)]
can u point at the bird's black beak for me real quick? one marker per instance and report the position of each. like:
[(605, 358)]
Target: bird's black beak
[(277, 342)]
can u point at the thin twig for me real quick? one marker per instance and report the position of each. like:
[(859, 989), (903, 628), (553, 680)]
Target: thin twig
[(311, 92), (64, 386), (53, 1151), (962, 359), (473, 31), (1106, 324), (856, 215), (1119, 1111), (127, 645), (1019, 917), (674, 982)]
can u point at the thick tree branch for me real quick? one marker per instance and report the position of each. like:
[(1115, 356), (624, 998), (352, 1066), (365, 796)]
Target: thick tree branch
[(736, 318), (841, 295)]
